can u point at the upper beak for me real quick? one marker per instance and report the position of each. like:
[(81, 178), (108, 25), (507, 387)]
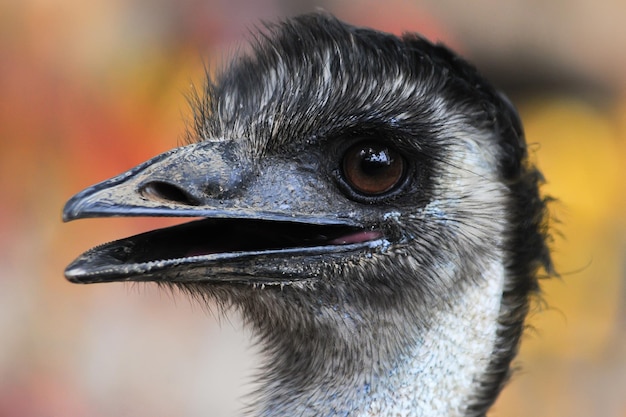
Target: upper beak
[(252, 214), (207, 179)]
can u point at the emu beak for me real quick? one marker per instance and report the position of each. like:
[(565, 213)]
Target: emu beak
[(262, 223)]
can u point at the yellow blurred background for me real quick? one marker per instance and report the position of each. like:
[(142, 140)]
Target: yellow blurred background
[(89, 89)]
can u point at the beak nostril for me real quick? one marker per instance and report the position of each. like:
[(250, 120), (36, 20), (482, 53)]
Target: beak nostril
[(166, 192)]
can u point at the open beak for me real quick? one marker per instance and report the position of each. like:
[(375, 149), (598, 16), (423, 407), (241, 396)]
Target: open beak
[(258, 226)]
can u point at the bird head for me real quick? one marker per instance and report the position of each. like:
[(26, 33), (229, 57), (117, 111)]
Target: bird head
[(367, 204)]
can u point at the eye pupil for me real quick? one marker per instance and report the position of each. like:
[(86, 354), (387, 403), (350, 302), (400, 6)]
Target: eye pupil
[(372, 169), (374, 161)]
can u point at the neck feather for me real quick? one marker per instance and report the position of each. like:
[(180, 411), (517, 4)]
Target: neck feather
[(436, 375)]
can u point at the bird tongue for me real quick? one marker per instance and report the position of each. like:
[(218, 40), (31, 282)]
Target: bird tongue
[(358, 237)]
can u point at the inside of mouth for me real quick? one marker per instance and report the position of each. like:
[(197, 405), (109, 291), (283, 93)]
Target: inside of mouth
[(213, 236)]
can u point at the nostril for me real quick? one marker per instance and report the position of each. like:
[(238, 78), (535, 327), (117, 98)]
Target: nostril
[(163, 191)]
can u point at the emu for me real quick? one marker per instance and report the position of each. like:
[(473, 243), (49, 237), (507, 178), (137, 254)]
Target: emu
[(369, 207)]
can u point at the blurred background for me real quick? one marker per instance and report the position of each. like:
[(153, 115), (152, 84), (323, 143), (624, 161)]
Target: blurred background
[(89, 89)]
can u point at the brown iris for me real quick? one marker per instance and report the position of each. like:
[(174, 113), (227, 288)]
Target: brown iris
[(372, 168)]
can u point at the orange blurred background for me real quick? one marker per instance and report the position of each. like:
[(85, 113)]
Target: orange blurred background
[(89, 89)]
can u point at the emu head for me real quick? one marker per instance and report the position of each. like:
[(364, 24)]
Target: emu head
[(369, 208)]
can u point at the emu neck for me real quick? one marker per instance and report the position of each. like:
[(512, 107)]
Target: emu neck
[(436, 376)]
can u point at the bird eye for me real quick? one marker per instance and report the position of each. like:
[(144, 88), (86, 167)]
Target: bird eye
[(372, 168)]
